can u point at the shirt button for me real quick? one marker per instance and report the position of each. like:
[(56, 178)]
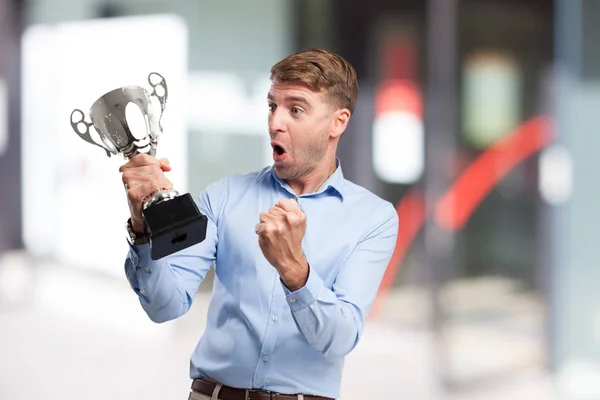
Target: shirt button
[(142, 291), (265, 358), (274, 319), (292, 300)]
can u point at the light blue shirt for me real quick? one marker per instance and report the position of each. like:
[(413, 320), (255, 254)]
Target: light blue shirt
[(259, 335)]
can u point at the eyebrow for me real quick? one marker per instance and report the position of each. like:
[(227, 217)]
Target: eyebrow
[(291, 99)]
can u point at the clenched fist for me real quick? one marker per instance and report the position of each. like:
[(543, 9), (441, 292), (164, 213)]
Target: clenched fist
[(280, 232), (143, 176)]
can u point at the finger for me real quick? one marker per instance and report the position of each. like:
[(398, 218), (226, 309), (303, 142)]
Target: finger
[(259, 228), (144, 159), (139, 160), (265, 217), (134, 177), (277, 211), (263, 229), (165, 164), (144, 171), (290, 205)]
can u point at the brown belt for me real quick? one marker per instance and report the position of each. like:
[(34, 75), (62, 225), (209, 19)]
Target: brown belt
[(229, 393)]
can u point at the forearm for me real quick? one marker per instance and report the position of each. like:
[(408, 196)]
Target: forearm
[(330, 325), (156, 285)]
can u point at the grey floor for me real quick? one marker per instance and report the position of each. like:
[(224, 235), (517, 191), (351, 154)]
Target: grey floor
[(68, 334)]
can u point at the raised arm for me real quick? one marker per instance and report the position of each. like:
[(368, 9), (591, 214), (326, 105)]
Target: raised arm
[(166, 287), (332, 320)]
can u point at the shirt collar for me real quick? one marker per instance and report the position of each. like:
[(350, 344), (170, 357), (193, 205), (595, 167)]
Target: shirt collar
[(335, 183)]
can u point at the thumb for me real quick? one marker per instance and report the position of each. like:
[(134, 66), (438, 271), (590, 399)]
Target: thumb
[(164, 164)]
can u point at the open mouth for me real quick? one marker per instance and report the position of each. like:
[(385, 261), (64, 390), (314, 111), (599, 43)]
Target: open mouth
[(279, 152), (277, 149)]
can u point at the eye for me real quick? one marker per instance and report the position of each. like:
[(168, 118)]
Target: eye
[(296, 110), (271, 107)]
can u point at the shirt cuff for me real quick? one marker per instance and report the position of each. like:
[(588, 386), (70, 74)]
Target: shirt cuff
[(306, 295), (140, 255)]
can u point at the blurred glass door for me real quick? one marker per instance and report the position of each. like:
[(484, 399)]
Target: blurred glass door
[(491, 317), (492, 304)]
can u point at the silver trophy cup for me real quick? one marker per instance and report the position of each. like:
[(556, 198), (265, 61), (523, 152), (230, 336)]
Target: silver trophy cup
[(172, 221)]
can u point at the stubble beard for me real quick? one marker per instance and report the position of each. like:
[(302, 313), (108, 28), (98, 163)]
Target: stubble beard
[(310, 158)]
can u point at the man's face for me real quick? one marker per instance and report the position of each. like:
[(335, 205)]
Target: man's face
[(300, 122)]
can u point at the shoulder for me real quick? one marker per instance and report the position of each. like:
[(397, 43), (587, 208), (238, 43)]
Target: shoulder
[(370, 207), (237, 181), (240, 182), (366, 199), (217, 194)]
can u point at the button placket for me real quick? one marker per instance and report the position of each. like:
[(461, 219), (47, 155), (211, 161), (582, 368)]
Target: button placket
[(268, 345), (300, 201)]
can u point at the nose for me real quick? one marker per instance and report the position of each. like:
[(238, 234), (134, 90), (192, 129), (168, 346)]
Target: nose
[(276, 121)]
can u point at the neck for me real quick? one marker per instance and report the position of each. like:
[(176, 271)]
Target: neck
[(313, 180)]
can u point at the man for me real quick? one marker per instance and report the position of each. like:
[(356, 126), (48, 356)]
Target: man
[(299, 252)]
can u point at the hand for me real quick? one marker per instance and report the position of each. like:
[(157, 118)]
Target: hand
[(280, 232), (142, 176)]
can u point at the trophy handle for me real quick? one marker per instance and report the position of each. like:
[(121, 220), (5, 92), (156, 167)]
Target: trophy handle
[(158, 82), (82, 128)]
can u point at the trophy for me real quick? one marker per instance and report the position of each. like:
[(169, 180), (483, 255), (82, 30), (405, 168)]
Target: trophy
[(173, 221)]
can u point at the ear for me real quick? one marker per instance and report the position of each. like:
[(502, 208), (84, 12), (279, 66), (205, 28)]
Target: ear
[(339, 122)]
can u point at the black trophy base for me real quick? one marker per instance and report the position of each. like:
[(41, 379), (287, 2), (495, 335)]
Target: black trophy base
[(174, 225)]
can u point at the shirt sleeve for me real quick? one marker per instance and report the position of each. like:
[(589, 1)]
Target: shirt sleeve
[(332, 320), (166, 287)]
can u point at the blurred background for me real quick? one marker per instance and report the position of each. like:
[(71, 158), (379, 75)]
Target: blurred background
[(477, 118)]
